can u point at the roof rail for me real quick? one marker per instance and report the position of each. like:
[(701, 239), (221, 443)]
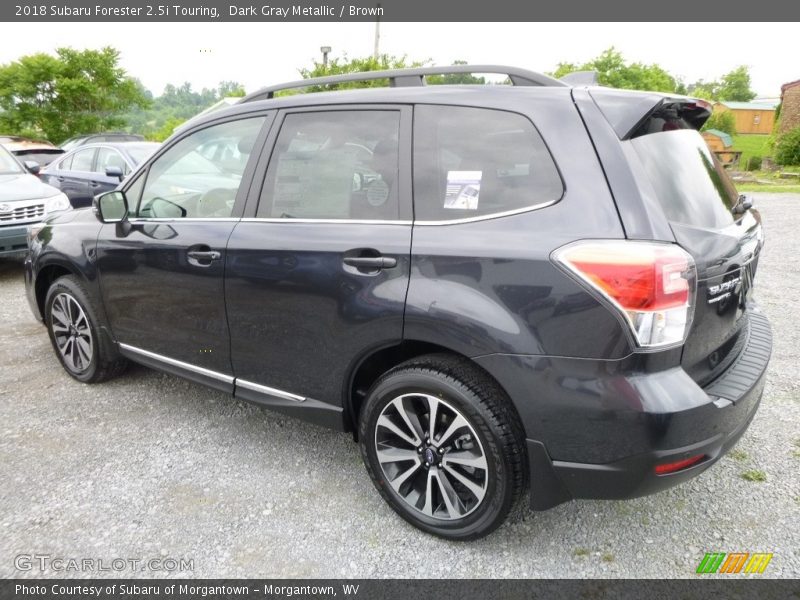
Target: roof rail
[(410, 78)]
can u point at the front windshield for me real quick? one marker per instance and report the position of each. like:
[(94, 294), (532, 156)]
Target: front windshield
[(8, 164)]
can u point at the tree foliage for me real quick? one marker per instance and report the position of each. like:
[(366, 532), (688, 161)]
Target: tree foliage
[(456, 78), (343, 65), (177, 104), (722, 120), (733, 86), (614, 71), (71, 93), (787, 148)]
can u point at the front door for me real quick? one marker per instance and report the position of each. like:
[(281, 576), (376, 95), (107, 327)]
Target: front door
[(318, 273), (161, 274)]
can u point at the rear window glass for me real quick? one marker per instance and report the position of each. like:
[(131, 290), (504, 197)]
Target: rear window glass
[(690, 183), (472, 162)]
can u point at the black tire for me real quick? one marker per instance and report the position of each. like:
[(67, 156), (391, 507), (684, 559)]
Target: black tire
[(464, 389), (101, 361)]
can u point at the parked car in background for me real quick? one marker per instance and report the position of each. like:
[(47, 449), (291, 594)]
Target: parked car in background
[(24, 201), (97, 138), (91, 169), (26, 149)]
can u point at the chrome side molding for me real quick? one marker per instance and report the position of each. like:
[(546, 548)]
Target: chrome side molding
[(249, 385), (269, 391), (178, 363)]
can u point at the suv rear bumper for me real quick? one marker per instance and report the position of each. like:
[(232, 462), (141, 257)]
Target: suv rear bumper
[(664, 415)]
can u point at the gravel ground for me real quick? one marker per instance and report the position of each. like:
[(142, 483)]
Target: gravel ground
[(151, 466)]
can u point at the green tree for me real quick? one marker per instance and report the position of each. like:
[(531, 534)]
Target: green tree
[(230, 89), (735, 86), (71, 93), (176, 104), (614, 71), (456, 78), (340, 66), (787, 148), (722, 121), (166, 129)]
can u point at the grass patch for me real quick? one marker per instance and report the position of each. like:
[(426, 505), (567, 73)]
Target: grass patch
[(771, 188), (754, 475), (608, 557), (751, 145), (738, 455), (580, 552)]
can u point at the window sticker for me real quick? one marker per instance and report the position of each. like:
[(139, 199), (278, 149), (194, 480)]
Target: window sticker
[(377, 192), (463, 190)]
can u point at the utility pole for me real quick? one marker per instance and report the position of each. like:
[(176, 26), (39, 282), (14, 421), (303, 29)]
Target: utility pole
[(325, 51), (376, 52)]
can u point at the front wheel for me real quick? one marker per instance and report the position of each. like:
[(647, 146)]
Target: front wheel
[(443, 446), (73, 324)]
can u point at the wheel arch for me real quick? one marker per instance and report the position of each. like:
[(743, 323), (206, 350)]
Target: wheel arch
[(377, 361), (45, 277)]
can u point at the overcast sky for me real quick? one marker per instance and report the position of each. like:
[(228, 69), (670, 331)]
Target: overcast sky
[(258, 54)]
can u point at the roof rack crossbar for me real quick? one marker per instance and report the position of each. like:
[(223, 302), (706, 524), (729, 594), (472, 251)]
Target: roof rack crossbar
[(410, 78)]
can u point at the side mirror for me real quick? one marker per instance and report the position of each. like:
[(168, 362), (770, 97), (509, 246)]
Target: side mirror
[(114, 172), (111, 207), (32, 167)]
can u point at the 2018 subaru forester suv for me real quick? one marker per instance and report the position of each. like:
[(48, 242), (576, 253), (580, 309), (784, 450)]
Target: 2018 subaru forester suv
[(496, 288)]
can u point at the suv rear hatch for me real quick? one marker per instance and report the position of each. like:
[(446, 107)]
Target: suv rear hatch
[(672, 164)]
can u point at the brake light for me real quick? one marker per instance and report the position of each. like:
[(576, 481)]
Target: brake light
[(678, 465), (651, 284)]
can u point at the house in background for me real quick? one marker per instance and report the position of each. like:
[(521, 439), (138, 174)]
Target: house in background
[(790, 106), (750, 117)]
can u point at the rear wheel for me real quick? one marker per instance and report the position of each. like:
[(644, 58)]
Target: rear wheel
[(443, 446), (74, 328)]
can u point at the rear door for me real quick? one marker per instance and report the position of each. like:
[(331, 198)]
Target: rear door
[(107, 157), (675, 166), (75, 181), (317, 273)]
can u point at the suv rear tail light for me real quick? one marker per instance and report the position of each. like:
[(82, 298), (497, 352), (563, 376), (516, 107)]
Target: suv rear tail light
[(652, 285)]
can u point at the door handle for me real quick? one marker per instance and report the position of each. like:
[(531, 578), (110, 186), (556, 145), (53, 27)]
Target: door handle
[(370, 262), (204, 254)]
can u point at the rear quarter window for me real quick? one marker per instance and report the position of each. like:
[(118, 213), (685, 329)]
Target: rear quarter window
[(474, 162)]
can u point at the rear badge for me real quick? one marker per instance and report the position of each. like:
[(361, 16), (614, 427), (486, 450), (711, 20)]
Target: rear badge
[(717, 293)]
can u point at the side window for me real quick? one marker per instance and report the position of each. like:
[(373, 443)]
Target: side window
[(108, 157), (65, 164), (334, 165), (471, 162), (183, 183), (82, 160)]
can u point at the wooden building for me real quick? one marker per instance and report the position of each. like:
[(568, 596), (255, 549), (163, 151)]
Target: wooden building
[(750, 117)]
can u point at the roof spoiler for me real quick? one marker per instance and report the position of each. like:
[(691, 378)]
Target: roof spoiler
[(627, 111), (581, 78)]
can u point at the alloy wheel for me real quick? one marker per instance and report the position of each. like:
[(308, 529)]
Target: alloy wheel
[(71, 332), (431, 456)]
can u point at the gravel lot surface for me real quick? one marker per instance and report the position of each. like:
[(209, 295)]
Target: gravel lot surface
[(151, 466)]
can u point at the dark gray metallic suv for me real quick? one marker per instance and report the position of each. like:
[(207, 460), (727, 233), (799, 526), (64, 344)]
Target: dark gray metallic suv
[(495, 288)]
